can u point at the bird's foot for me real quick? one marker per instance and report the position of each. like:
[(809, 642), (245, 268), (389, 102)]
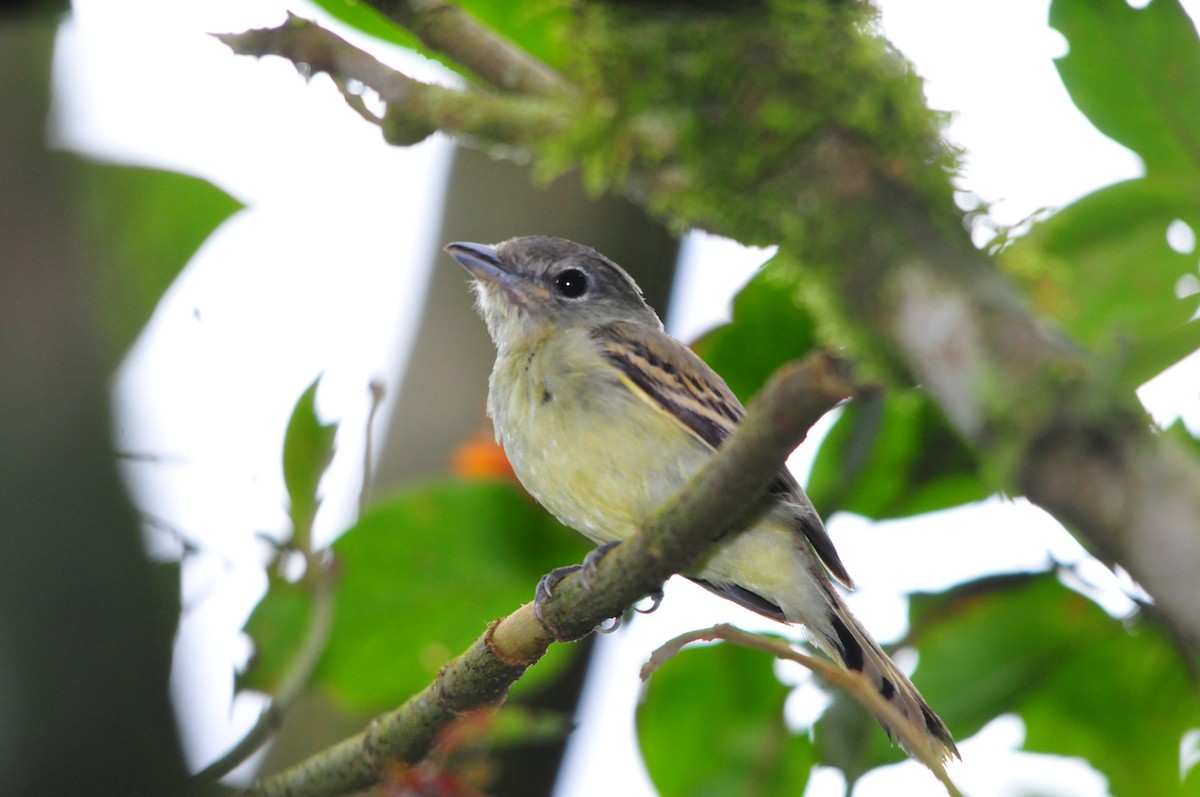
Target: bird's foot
[(656, 599), (547, 583), (592, 561)]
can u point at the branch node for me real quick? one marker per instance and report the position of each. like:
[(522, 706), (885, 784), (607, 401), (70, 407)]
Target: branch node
[(497, 650)]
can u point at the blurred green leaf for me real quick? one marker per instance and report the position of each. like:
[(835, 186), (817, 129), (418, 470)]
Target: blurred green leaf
[(893, 456), (1183, 436), (769, 328), (516, 726), (144, 225), (419, 578), (712, 724), (1135, 73), (1115, 693), (276, 626), (307, 452), (538, 27), (1102, 267)]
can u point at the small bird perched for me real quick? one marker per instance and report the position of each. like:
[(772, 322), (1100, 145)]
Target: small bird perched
[(604, 417)]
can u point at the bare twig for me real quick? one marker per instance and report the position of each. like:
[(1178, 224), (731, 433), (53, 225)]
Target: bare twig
[(415, 109), (318, 50), (855, 683), (730, 488), (377, 393)]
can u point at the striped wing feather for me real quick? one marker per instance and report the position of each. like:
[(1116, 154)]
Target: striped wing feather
[(683, 386)]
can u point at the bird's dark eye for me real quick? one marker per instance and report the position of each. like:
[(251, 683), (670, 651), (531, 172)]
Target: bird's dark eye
[(571, 283)]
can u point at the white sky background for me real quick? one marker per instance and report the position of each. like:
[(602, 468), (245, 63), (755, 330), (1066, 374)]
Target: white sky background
[(325, 270)]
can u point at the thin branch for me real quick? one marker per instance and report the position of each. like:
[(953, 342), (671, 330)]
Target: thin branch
[(294, 680), (314, 49), (730, 488), (854, 683), (415, 109), (377, 391), (448, 29)]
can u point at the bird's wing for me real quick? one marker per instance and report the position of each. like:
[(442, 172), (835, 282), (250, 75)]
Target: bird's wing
[(682, 386)]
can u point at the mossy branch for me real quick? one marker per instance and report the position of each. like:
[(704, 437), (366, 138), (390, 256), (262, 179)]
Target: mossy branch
[(724, 497)]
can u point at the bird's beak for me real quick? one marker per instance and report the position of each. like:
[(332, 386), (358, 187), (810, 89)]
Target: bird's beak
[(483, 263)]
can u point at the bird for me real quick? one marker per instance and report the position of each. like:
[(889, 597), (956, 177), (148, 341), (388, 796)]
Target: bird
[(604, 417)]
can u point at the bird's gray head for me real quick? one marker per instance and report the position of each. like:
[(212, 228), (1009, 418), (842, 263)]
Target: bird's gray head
[(530, 287)]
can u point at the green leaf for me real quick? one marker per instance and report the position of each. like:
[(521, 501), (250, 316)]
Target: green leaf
[(769, 328), (1113, 692), (516, 726), (307, 451), (1135, 73), (712, 724), (891, 457), (419, 578), (1102, 267), (144, 225), (276, 626)]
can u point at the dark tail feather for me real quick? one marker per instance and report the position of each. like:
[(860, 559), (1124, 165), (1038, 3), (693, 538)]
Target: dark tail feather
[(859, 652)]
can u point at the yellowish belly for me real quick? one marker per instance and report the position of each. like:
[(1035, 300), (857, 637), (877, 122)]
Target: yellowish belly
[(596, 455)]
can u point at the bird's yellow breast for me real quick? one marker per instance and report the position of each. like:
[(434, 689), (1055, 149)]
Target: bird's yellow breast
[(597, 454)]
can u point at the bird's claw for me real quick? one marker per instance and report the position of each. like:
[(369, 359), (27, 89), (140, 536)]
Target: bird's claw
[(545, 588), (592, 561), (656, 599), (609, 626), (547, 583)]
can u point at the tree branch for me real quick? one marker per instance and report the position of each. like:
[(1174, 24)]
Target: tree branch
[(869, 216), (415, 109), (444, 27), (839, 162), (731, 488), (1050, 417)]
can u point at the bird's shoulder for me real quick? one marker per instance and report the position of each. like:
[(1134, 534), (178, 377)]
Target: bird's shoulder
[(683, 386), (671, 376)]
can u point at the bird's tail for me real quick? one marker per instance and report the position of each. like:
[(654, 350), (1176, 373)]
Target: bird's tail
[(849, 642)]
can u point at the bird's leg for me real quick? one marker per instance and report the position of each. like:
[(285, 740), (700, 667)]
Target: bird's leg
[(592, 561)]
